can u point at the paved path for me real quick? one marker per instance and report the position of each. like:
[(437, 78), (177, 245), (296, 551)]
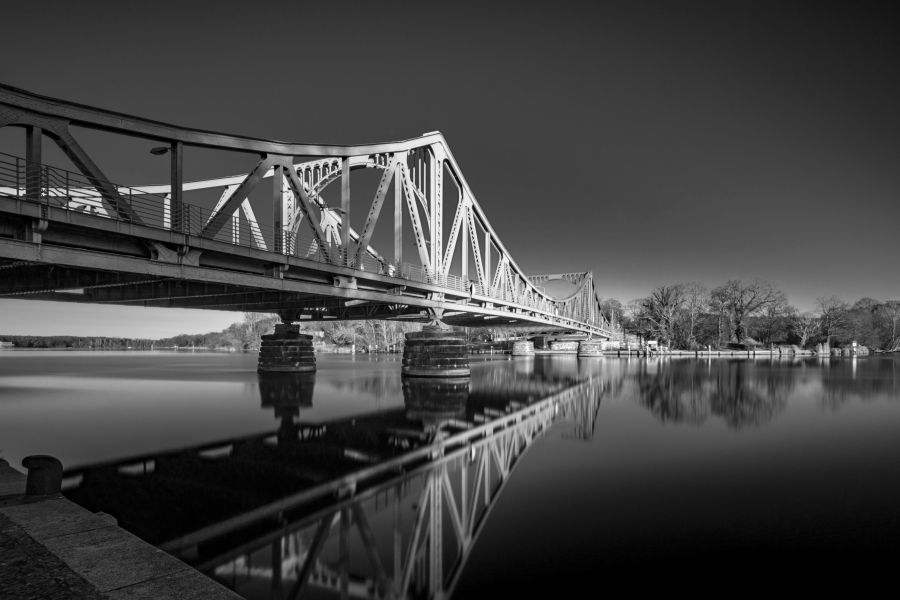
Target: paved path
[(28, 570), (56, 549)]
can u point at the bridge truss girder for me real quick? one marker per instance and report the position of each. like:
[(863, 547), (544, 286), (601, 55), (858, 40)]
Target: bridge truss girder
[(155, 223)]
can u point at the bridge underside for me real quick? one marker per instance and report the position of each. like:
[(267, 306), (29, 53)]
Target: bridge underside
[(93, 286), (89, 259)]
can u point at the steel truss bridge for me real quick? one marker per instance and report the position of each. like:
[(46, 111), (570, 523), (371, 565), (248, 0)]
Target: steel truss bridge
[(272, 242)]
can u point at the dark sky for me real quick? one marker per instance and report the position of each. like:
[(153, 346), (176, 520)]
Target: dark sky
[(649, 142)]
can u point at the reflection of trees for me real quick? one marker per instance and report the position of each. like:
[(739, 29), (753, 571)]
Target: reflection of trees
[(675, 392), (742, 393), (845, 380), (746, 394)]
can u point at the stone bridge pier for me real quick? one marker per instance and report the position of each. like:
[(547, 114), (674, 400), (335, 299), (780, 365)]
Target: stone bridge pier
[(436, 351), (286, 351)]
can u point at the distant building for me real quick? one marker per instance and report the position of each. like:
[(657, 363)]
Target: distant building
[(7, 345)]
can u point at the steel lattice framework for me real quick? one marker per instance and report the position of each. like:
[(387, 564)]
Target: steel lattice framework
[(148, 245)]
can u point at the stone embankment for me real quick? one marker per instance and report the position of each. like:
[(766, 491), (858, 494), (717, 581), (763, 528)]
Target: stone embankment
[(51, 548)]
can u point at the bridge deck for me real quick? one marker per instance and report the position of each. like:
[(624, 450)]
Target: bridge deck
[(93, 259)]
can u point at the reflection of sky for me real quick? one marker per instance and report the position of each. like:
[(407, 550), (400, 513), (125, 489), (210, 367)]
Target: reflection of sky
[(815, 485), (86, 407)]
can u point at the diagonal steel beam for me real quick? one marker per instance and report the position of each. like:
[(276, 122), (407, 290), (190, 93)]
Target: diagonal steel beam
[(454, 233), (218, 221), (308, 211), (414, 218), (476, 249), (109, 193), (374, 211)]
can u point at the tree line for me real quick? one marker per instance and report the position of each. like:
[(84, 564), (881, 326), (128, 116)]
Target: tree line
[(755, 313), (684, 316), (242, 335)]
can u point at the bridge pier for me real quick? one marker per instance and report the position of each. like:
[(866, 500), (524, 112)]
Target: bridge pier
[(589, 348), (436, 351), (523, 348), (286, 350)]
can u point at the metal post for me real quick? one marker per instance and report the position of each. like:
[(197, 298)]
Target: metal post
[(487, 262), (278, 208), (437, 216), (176, 151), (465, 240), (345, 207), (33, 163), (398, 218)]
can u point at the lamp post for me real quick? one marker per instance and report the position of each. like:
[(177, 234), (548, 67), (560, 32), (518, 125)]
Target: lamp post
[(176, 209)]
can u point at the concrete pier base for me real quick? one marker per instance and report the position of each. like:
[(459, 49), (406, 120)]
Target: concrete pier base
[(435, 352), (286, 351), (564, 346), (589, 348), (523, 348)]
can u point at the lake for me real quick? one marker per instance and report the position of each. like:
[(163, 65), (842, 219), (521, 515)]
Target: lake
[(546, 474)]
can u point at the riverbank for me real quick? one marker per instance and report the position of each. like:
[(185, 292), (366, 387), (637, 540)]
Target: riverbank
[(54, 549)]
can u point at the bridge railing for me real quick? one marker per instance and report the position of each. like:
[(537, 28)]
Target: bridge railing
[(72, 191)]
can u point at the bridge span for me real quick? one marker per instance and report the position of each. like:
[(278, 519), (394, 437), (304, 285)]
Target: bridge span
[(276, 238)]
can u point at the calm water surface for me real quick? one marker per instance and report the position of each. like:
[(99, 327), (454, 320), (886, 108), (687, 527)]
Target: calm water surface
[(657, 474)]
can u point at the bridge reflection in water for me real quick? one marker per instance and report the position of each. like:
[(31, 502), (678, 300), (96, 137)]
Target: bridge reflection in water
[(386, 504)]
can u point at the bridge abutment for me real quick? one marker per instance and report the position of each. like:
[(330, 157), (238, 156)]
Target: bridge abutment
[(523, 348), (286, 351), (589, 348), (436, 351)]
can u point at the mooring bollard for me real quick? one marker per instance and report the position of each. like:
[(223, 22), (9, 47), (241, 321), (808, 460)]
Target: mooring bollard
[(44, 475)]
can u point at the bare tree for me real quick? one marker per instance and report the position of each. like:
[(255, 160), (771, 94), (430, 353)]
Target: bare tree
[(805, 325), (773, 321), (342, 334), (832, 316), (632, 321), (891, 311), (743, 300), (612, 311), (661, 309), (696, 300), (254, 326), (723, 320)]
